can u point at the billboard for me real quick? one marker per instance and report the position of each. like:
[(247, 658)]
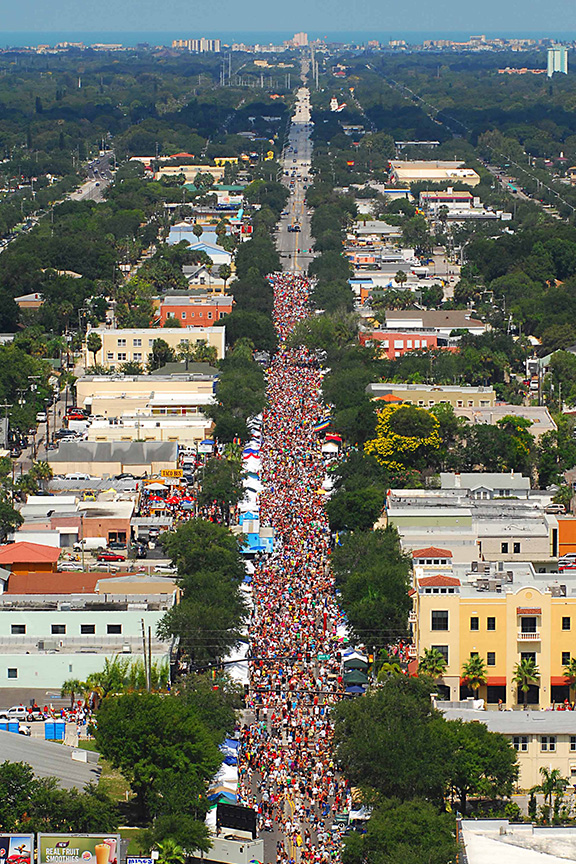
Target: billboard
[(16, 849), (78, 848)]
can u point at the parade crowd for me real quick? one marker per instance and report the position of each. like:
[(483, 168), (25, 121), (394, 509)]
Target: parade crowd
[(286, 769)]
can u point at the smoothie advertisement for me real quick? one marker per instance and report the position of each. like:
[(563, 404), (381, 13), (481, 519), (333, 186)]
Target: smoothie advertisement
[(78, 848)]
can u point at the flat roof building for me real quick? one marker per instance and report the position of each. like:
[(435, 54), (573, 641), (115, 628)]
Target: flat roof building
[(434, 171)]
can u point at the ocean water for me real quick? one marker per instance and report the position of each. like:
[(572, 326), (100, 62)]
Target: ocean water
[(130, 39)]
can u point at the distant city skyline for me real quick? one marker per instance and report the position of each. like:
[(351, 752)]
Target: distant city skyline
[(335, 16)]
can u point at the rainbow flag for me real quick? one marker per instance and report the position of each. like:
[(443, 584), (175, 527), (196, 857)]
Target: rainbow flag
[(322, 424)]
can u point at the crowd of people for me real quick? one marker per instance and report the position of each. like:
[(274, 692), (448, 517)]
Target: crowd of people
[(286, 769)]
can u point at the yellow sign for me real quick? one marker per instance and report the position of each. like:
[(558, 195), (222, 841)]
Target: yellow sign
[(269, 155), (171, 472)]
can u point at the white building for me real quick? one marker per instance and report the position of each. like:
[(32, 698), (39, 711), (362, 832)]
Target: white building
[(557, 60)]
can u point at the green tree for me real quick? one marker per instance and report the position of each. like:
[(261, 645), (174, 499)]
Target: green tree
[(72, 687), (526, 674), (475, 673), (169, 852), (224, 272), (94, 343), (161, 354), (221, 483), (373, 576), (482, 762), (553, 785), (165, 752), (401, 278), (208, 619), (393, 743), (413, 831), (432, 663)]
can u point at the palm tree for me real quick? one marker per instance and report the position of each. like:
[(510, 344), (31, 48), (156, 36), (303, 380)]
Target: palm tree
[(526, 673), (552, 784), (570, 672), (71, 687), (401, 278), (474, 670), (388, 669), (432, 663), (170, 852)]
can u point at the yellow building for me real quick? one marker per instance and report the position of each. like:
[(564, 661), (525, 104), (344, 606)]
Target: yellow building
[(190, 172), (502, 612), (135, 344)]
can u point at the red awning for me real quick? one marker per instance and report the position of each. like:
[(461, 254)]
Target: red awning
[(558, 681), (496, 681)]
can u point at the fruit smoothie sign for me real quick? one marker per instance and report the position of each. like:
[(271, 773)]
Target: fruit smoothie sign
[(78, 848)]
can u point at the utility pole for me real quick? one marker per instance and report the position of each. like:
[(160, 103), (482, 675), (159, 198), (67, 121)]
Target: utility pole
[(149, 679), (144, 651)]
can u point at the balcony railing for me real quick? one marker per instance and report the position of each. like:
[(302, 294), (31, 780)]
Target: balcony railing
[(529, 637)]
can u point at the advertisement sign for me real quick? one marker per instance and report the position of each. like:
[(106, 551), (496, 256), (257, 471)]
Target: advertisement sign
[(171, 472), (78, 848), (16, 849)]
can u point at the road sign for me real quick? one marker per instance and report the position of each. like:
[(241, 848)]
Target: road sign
[(323, 656), (173, 473)]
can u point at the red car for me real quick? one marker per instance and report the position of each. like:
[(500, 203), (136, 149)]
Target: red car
[(110, 556)]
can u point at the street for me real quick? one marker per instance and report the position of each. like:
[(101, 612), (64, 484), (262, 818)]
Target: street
[(294, 246)]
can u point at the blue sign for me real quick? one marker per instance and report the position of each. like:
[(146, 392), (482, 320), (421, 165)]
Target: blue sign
[(131, 860)]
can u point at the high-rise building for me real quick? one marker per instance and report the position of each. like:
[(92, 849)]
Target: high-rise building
[(198, 46), (300, 40), (557, 60)]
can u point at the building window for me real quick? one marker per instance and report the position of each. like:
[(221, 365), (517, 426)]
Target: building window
[(18, 629), (573, 743), (520, 743), (183, 316), (137, 343), (137, 356), (504, 548), (565, 658), (58, 629), (12, 673), (516, 548), (114, 629), (474, 623), (491, 658), (109, 355), (528, 624), (528, 655), (566, 622), (548, 743), (121, 343), (490, 623), (209, 314), (121, 355), (87, 629), (443, 649), (439, 620)]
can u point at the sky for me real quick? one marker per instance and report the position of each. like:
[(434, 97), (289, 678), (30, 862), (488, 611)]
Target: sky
[(379, 16)]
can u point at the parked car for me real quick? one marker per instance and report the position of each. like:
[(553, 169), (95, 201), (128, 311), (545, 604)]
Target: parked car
[(41, 417), (115, 545), (110, 556), (166, 569), (72, 566)]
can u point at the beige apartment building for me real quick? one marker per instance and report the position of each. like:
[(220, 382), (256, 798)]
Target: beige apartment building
[(135, 344), (154, 396), (427, 395), (190, 172), (540, 738)]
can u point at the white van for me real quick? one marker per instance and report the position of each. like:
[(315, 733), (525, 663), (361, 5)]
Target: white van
[(77, 475), (90, 544)]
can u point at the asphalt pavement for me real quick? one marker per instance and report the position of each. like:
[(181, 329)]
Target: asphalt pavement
[(295, 246)]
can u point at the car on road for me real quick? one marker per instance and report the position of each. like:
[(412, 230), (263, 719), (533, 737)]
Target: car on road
[(110, 556), (41, 417), (166, 569), (70, 566)]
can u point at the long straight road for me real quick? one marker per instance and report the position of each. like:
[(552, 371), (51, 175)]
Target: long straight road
[(286, 769), (294, 239)]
